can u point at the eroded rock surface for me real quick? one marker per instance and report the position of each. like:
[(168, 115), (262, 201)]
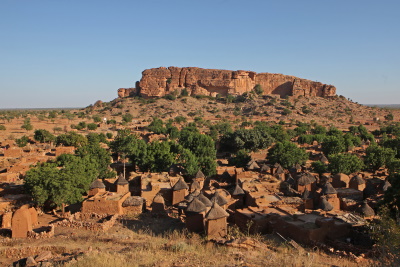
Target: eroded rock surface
[(158, 82)]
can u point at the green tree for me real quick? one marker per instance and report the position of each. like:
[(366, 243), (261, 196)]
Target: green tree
[(43, 136), (240, 159), (287, 154), (333, 145), (23, 141), (99, 155), (157, 126), (27, 124), (61, 184), (377, 156), (319, 167), (344, 163), (71, 139)]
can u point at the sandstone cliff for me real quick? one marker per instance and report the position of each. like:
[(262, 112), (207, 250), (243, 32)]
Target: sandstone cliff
[(158, 82)]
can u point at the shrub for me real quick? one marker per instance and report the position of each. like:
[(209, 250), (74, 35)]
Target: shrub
[(184, 92), (127, 117), (258, 89), (287, 154), (109, 135), (286, 112), (92, 126), (2, 127), (170, 97)]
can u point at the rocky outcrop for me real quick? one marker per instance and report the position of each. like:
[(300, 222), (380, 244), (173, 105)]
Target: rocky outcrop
[(161, 81), (124, 92)]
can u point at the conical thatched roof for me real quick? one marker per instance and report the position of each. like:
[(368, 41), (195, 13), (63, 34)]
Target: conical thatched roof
[(328, 189), (386, 186), (289, 179), (219, 199), (158, 199), (196, 206), (121, 180), (226, 176), (216, 212), (238, 191), (133, 201), (305, 179), (199, 174), (325, 205), (205, 200), (195, 185), (98, 183), (252, 165), (175, 168), (357, 180), (297, 166), (265, 168), (276, 165), (365, 210), (279, 170), (181, 184)]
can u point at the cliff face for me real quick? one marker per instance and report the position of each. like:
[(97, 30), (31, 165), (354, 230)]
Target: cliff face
[(158, 82)]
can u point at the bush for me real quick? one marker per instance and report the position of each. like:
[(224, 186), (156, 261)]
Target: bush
[(170, 97), (2, 127), (23, 141), (258, 89), (184, 92), (92, 126), (96, 118), (286, 112), (240, 159), (43, 136), (109, 135), (127, 117)]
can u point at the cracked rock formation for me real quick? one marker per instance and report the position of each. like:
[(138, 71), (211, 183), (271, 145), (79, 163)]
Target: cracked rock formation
[(158, 82)]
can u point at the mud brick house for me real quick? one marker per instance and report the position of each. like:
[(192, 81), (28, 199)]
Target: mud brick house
[(109, 203), (215, 224), (64, 150)]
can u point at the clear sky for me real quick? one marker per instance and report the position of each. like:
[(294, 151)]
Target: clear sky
[(70, 53)]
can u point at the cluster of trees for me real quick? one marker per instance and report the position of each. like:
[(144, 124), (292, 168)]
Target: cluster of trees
[(188, 147), (66, 179)]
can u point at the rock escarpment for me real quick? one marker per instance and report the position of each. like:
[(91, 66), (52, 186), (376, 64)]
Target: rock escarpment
[(158, 82)]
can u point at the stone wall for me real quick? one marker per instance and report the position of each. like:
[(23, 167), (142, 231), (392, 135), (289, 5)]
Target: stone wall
[(158, 82)]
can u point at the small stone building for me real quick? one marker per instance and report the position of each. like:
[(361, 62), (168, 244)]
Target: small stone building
[(97, 187), (121, 185), (195, 212)]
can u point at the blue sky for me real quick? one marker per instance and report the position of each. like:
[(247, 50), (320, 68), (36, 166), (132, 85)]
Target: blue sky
[(70, 53)]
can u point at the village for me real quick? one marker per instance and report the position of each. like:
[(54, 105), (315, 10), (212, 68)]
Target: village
[(298, 205)]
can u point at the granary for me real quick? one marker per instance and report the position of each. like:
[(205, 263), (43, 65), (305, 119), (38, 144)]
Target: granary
[(195, 186), (330, 195), (219, 199), (158, 204), (340, 180), (252, 166), (279, 173), (357, 183), (307, 199), (324, 204), (305, 180), (365, 210), (179, 191), (239, 195), (121, 185), (195, 212), (275, 167), (199, 175), (266, 169), (216, 225), (97, 187), (205, 200)]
